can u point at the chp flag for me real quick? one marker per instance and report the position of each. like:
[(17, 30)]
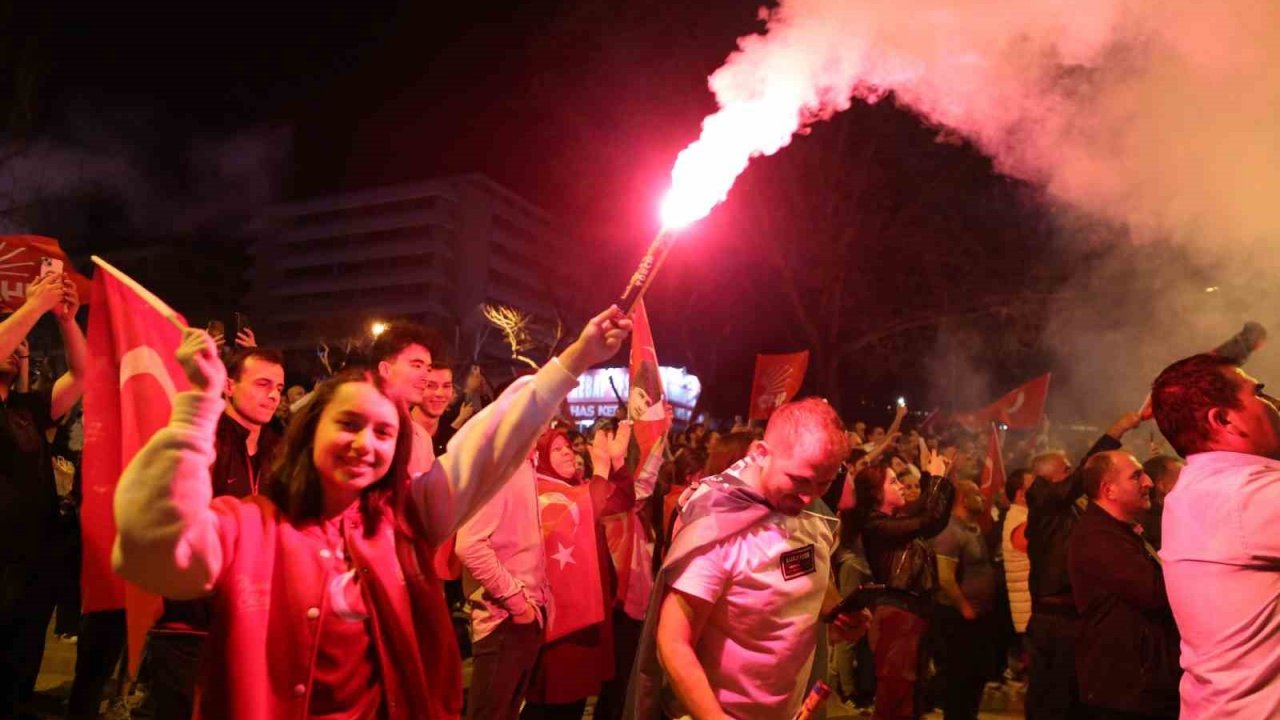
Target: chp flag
[(1021, 408), (20, 257), (133, 377), (777, 380)]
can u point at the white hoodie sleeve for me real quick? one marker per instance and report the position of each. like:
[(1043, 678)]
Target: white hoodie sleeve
[(488, 450), (166, 533)]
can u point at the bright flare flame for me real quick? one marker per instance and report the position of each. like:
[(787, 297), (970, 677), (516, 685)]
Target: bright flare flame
[(377, 328), (706, 170)]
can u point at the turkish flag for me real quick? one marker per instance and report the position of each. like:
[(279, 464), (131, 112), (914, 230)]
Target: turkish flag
[(573, 566), (777, 380), (993, 476), (1021, 409), (20, 257), (133, 377)]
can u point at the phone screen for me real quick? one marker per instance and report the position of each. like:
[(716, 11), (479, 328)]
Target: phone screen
[(50, 266)]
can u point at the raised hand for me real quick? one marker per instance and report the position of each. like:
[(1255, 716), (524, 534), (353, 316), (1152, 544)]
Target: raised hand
[(1124, 424), (933, 462), (599, 341), (65, 311), (901, 412), (599, 450), (198, 356), (618, 442), (246, 339), (46, 292)]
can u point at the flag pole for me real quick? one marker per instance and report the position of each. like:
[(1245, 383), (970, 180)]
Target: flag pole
[(647, 269), (149, 297)]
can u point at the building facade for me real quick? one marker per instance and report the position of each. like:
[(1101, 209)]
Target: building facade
[(325, 269)]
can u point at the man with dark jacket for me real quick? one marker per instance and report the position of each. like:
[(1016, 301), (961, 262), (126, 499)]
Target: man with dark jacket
[(1127, 652), (1055, 501)]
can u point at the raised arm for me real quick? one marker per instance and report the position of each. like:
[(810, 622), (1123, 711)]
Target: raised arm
[(68, 389), (613, 488), (931, 518), (166, 534), (42, 296), (1054, 497), (490, 447)]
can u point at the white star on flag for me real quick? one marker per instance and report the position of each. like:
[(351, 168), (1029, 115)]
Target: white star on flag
[(564, 555)]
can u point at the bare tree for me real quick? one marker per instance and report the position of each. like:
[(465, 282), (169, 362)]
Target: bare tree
[(515, 327)]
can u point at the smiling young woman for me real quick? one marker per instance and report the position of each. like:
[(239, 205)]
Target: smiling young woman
[(324, 600)]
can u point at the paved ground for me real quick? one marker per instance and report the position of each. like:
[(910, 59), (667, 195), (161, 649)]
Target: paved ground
[(60, 658)]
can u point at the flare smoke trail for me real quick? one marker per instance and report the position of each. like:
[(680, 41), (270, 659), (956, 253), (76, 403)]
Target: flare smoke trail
[(1159, 116), (1162, 115)]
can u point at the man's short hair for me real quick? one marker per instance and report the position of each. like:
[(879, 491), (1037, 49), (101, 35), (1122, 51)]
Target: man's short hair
[(1015, 483), (1157, 466), (400, 335), (813, 423), (235, 364), (1095, 472), (1184, 394), (1040, 463)]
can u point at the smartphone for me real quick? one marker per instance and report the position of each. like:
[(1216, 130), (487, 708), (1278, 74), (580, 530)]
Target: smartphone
[(902, 402), (50, 266), (859, 599), (242, 323)]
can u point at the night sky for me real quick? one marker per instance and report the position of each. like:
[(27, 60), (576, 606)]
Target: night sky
[(580, 107)]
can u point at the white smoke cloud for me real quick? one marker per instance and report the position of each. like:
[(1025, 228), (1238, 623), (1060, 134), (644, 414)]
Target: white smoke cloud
[(215, 180), (1161, 117)]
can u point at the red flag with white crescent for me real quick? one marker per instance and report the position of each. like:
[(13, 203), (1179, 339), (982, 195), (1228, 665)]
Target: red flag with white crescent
[(777, 380), (1021, 408), (573, 565), (20, 257), (993, 475), (133, 377)]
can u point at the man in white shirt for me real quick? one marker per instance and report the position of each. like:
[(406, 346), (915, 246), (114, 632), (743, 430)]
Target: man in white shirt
[(738, 624), (1221, 548)]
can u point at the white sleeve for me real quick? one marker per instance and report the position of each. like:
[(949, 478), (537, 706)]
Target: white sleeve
[(488, 450), (166, 534), (705, 575)]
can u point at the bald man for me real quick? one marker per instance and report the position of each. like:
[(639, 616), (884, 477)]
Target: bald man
[(1127, 651)]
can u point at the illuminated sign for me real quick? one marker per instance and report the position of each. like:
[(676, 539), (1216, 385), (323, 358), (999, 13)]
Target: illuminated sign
[(595, 396)]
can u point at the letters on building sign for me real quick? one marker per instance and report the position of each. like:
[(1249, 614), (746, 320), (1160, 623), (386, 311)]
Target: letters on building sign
[(595, 397)]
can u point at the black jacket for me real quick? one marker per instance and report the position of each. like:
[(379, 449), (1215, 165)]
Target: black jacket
[(1052, 511), (894, 544), (230, 472), (1127, 652)]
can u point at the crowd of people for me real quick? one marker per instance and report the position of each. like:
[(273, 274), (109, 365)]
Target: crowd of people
[(315, 547)]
